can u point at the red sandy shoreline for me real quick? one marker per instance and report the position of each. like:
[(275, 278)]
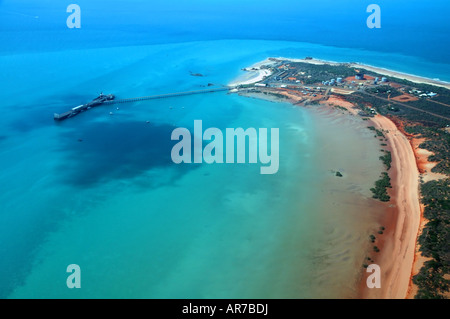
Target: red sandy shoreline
[(424, 166), (398, 257)]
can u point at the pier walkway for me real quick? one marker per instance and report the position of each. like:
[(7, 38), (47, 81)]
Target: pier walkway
[(110, 99), (165, 96)]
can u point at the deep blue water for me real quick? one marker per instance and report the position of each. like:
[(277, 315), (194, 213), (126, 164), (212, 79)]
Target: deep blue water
[(416, 28)]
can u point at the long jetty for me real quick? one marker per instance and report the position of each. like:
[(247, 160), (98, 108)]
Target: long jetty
[(165, 96), (110, 99)]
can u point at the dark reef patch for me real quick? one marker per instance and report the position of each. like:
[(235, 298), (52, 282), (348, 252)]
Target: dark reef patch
[(99, 152)]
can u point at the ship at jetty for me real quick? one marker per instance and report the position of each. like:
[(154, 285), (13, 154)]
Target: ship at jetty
[(102, 98)]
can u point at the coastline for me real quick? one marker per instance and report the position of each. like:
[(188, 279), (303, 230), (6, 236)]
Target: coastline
[(399, 249), (403, 218), (343, 243), (399, 256)]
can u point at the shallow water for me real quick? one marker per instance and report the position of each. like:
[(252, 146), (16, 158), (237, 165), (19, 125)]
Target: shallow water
[(101, 191)]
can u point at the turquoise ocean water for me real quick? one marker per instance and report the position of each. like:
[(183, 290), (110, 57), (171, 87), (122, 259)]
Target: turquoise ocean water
[(101, 191)]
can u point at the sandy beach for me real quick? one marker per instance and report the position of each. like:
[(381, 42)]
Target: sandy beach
[(400, 257), (398, 253), (253, 74)]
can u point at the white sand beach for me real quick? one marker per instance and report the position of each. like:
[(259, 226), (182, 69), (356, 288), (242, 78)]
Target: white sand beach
[(253, 74)]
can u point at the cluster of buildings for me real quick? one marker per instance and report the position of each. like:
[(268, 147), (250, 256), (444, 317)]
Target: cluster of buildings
[(422, 94), (288, 75), (383, 80), (358, 77), (333, 82)]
